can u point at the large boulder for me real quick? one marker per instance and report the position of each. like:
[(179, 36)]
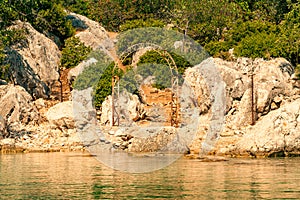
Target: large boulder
[(34, 64), (274, 134), (61, 115), (16, 105), (92, 34), (271, 79)]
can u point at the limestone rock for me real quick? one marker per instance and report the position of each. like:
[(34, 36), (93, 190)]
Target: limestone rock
[(90, 32), (106, 111), (244, 114), (3, 129), (35, 63), (271, 80), (16, 105), (7, 142), (279, 131), (276, 106), (61, 115), (234, 75), (129, 108), (164, 139), (198, 84)]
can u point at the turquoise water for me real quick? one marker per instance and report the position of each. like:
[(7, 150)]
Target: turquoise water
[(79, 176)]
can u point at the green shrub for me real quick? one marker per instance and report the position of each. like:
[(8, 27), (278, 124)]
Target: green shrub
[(104, 86), (218, 49), (45, 16), (3, 67), (260, 45), (140, 23), (53, 19), (74, 52), (155, 57)]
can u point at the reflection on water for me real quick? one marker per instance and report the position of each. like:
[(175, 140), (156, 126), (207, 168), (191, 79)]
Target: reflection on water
[(79, 176)]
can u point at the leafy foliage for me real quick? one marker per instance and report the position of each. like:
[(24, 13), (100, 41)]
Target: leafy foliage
[(4, 68), (155, 57), (114, 13), (152, 63), (104, 86), (262, 28), (139, 23), (74, 52), (45, 16)]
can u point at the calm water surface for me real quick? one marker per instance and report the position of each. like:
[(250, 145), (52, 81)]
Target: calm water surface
[(78, 176)]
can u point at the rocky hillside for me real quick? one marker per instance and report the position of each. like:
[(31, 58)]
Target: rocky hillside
[(31, 115), (33, 119), (276, 97)]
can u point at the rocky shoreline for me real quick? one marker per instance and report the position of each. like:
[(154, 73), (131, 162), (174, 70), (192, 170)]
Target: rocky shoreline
[(34, 120)]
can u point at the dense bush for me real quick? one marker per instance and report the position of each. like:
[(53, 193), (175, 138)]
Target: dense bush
[(155, 57), (4, 68), (45, 16), (104, 86), (260, 45), (152, 63), (74, 52), (139, 23), (114, 13)]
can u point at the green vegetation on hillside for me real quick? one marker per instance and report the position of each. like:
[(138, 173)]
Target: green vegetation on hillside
[(74, 52), (262, 28)]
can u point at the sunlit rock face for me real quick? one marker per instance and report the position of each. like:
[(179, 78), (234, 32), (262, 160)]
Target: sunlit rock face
[(34, 62), (89, 32), (17, 106), (273, 96), (61, 115)]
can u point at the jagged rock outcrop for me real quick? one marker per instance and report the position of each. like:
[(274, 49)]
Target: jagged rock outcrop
[(91, 33), (61, 115), (198, 84), (271, 82), (276, 103), (34, 63), (275, 134), (25, 128), (17, 106)]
